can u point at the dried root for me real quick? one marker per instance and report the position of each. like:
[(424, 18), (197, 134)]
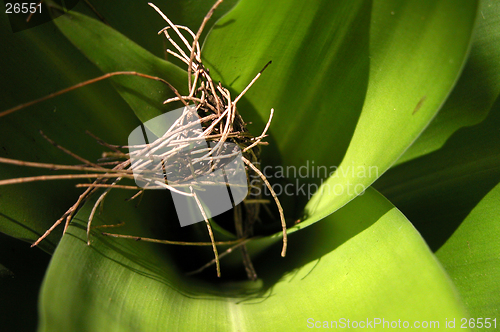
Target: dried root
[(220, 122)]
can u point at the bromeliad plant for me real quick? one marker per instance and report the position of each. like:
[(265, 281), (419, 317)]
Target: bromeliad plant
[(353, 85)]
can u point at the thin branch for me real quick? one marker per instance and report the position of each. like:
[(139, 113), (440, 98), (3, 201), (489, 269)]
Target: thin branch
[(213, 261), (54, 167), (60, 177), (94, 208), (180, 243), (261, 135), (198, 34), (214, 247), (250, 84), (278, 204), (79, 85)]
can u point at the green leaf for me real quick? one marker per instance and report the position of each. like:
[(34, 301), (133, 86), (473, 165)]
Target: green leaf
[(366, 261), (323, 90), (454, 223), (111, 51), (476, 90), (471, 257), (447, 182), (367, 257), (139, 22), (337, 42), (409, 48), (97, 108), (315, 84), (440, 192)]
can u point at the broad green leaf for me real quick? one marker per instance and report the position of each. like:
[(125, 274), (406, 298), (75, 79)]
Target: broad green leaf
[(139, 22), (320, 82), (315, 84), (364, 261), (471, 257), (111, 51), (393, 297), (476, 90), (440, 192), (448, 182), (296, 149), (413, 66), (474, 267), (37, 62)]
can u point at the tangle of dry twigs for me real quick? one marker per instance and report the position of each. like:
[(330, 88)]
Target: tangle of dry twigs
[(208, 104)]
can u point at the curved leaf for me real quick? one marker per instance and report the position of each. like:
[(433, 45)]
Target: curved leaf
[(413, 66), (320, 73), (106, 288), (442, 193), (126, 285), (316, 83), (476, 90), (111, 51), (461, 227), (137, 20), (470, 256), (450, 181)]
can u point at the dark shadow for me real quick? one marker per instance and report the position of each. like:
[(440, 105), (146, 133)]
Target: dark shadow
[(19, 289), (220, 26), (153, 270), (437, 191), (154, 266), (478, 100), (47, 244), (40, 14)]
